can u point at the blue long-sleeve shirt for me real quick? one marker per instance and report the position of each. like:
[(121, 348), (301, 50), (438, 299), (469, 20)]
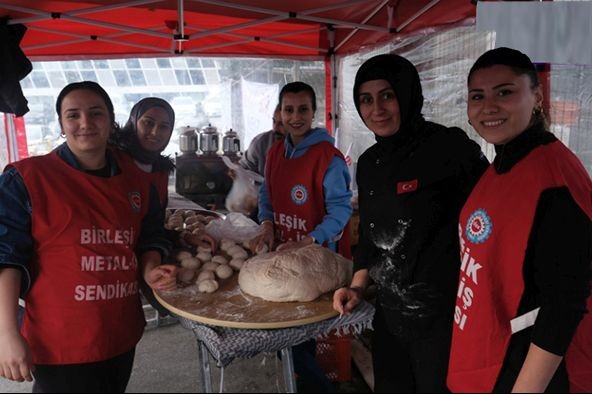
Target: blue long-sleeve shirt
[(16, 241), (335, 187)]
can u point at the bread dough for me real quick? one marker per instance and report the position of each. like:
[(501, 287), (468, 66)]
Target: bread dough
[(182, 255), (219, 260), (237, 252), (224, 271), (207, 286), (236, 264), (204, 257), (205, 275), (209, 266), (295, 275), (190, 262), (185, 275), (226, 244)]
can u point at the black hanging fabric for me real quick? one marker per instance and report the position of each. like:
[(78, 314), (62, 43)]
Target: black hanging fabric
[(14, 66)]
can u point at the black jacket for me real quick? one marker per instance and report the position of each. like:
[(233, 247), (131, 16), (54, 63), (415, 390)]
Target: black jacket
[(411, 190), (13, 67)]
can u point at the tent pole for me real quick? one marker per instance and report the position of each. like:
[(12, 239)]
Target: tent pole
[(419, 13), (370, 16)]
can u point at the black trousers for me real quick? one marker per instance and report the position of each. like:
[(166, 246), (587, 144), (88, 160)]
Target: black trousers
[(414, 366), (109, 376)]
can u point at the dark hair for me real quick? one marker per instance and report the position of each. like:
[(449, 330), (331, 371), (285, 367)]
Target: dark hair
[(297, 87), (93, 87), (516, 60), (520, 65)]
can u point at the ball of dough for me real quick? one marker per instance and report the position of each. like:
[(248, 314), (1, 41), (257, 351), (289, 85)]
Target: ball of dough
[(226, 244), (204, 249), (185, 275), (224, 272), (182, 255), (207, 286), (210, 266), (237, 252), (219, 260), (190, 262), (205, 275), (204, 257), (236, 264)]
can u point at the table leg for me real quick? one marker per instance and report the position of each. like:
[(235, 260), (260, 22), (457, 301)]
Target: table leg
[(206, 375), (288, 366)]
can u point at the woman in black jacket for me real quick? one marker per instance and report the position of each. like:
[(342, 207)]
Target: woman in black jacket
[(412, 184)]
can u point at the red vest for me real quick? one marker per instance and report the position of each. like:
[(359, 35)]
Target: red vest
[(295, 188), (160, 179), (494, 228), (83, 305)]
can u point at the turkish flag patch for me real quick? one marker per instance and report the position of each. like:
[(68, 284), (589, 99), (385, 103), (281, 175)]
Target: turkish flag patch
[(407, 186)]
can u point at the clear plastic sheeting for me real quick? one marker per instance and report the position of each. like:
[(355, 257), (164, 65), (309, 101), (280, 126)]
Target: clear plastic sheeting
[(571, 109), (443, 60)]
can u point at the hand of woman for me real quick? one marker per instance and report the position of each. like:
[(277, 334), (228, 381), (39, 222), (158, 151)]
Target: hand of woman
[(15, 359), (265, 237), (162, 277), (200, 238), (296, 244), (346, 299)]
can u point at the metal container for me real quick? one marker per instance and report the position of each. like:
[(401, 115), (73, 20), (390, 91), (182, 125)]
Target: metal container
[(187, 140), (231, 143), (208, 140)]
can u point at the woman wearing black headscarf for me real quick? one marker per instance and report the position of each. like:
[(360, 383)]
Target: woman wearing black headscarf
[(145, 135), (412, 184)]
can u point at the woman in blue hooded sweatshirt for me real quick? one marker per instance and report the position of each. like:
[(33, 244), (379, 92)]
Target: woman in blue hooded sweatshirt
[(305, 199)]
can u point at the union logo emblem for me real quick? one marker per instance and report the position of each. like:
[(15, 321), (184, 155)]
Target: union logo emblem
[(299, 195), (135, 199), (479, 227)]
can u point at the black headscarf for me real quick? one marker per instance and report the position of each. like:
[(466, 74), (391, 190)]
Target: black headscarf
[(404, 79), (127, 138)]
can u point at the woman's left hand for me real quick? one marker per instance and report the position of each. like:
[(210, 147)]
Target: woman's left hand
[(162, 277), (296, 244)]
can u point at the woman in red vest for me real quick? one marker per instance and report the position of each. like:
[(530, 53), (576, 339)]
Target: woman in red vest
[(412, 184), (71, 225), (305, 198), (526, 245)]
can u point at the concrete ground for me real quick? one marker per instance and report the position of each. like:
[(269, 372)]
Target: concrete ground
[(166, 361)]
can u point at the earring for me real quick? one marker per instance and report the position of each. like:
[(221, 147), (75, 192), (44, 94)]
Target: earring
[(63, 135), (538, 111), (469, 122)]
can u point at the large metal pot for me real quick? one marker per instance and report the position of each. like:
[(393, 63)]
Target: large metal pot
[(208, 140), (188, 140)]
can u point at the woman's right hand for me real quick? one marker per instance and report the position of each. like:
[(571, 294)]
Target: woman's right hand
[(266, 237), (15, 359), (346, 299)]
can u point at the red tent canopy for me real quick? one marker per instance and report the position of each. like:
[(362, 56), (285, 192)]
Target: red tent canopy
[(302, 28)]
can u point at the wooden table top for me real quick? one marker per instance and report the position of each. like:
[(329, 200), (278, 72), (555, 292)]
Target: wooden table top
[(230, 307)]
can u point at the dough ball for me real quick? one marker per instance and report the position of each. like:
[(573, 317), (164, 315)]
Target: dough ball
[(207, 286), (185, 275), (237, 252), (224, 272), (226, 244), (205, 275), (219, 260), (204, 249), (182, 255), (209, 266), (204, 257), (236, 264), (191, 262)]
